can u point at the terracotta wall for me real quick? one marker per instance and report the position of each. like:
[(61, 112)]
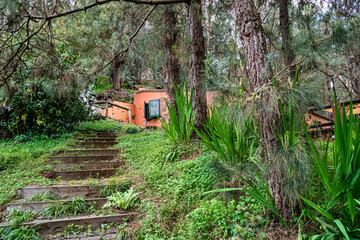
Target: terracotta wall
[(311, 118), (144, 96), (120, 114), (137, 109)]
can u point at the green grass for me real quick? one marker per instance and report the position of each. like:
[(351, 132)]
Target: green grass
[(101, 125), (22, 164), (174, 179), (171, 181), (101, 88)]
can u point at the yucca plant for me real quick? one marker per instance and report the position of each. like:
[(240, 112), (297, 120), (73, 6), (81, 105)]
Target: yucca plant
[(178, 128), (339, 213), (233, 140)]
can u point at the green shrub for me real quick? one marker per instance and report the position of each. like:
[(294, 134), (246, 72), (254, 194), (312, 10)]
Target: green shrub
[(131, 129), (216, 219), (34, 111)]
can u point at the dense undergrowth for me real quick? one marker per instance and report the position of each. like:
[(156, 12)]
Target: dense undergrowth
[(172, 187), (22, 164), (174, 180)]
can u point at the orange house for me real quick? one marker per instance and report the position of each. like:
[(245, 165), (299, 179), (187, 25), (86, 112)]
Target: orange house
[(148, 104), (324, 122)]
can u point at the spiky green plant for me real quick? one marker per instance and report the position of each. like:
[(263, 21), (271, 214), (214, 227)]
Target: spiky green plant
[(339, 211), (18, 233), (115, 186), (17, 216), (232, 139), (123, 200), (179, 127), (77, 206)]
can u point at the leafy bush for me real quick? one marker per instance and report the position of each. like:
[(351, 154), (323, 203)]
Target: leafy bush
[(34, 111), (179, 127), (216, 219), (123, 200), (338, 210), (131, 129), (232, 139)]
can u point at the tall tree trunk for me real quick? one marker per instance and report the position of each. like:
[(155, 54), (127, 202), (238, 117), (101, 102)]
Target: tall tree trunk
[(353, 62), (172, 62), (197, 65), (253, 41), (286, 36), (117, 63)]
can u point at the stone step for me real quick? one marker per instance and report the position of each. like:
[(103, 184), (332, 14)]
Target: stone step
[(98, 133), (79, 159), (95, 152), (61, 191), (83, 174), (92, 236), (59, 225), (38, 206), (86, 143), (88, 166), (95, 138), (94, 144)]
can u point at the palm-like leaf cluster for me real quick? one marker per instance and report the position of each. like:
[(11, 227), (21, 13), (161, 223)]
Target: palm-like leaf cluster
[(339, 215)]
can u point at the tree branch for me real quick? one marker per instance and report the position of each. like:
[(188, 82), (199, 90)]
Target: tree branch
[(130, 39), (101, 2)]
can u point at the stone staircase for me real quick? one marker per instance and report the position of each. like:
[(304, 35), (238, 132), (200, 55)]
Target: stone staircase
[(91, 159)]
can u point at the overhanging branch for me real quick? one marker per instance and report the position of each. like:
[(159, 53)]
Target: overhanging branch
[(101, 2), (130, 40)]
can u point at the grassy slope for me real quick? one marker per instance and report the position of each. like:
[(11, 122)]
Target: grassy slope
[(173, 180), (21, 164)]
